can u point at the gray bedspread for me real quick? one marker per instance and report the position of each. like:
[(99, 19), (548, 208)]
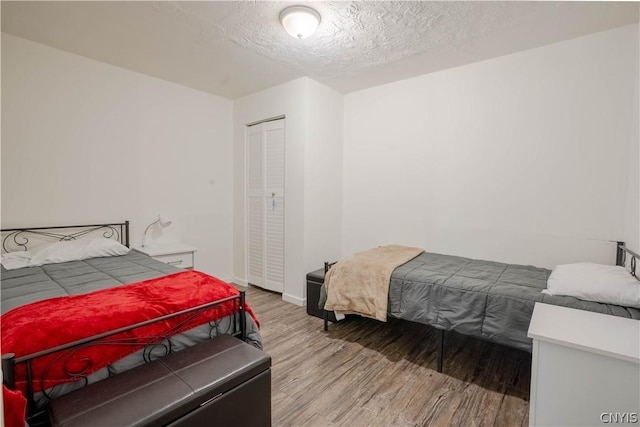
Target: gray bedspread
[(26, 285), (484, 299)]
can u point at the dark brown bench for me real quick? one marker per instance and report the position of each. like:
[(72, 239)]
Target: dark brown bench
[(221, 382)]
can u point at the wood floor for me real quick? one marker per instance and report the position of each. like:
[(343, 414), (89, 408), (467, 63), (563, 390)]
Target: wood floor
[(368, 373)]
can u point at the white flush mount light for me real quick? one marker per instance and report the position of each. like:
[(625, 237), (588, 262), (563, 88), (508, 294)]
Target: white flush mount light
[(300, 21)]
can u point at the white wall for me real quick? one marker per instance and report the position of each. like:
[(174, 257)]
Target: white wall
[(313, 152), (323, 176), (84, 141), (522, 158)]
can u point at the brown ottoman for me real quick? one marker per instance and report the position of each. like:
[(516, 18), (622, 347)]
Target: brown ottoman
[(221, 382)]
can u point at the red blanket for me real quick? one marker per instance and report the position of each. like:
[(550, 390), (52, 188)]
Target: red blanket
[(14, 407), (56, 321)]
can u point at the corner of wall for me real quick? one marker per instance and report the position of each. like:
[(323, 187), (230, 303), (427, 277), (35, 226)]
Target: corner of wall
[(632, 214), (294, 299)]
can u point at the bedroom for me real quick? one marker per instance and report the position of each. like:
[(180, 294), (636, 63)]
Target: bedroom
[(526, 155)]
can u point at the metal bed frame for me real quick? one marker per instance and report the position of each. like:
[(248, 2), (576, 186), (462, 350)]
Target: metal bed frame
[(621, 258), (19, 238)]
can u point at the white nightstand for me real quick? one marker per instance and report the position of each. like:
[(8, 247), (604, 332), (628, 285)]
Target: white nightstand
[(176, 254), (585, 369)]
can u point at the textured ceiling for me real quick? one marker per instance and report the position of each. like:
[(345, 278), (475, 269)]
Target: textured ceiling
[(356, 36), (236, 48)]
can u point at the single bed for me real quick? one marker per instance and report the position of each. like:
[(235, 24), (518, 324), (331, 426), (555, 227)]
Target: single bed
[(24, 286), (488, 300)]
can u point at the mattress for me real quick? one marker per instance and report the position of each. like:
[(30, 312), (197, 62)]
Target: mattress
[(26, 285), (484, 299)]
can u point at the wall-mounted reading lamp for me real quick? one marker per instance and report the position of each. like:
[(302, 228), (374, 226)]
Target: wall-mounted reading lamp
[(162, 221)]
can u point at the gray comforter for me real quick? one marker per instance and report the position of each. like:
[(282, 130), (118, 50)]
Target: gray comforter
[(26, 285), (484, 299)]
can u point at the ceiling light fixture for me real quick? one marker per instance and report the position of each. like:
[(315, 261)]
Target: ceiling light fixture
[(300, 21)]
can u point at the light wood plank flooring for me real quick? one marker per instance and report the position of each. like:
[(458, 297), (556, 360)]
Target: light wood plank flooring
[(368, 373)]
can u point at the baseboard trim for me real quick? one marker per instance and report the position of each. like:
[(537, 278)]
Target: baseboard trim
[(240, 282), (302, 302), (294, 300)]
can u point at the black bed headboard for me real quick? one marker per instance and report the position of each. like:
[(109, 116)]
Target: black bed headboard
[(16, 239), (621, 258)]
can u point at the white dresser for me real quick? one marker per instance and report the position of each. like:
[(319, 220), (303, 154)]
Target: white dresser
[(585, 368)]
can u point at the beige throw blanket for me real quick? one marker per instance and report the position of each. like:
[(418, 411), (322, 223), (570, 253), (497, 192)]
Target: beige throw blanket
[(360, 283)]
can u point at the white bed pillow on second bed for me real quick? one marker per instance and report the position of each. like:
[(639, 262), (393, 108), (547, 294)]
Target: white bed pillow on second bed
[(595, 282), (72, 250)]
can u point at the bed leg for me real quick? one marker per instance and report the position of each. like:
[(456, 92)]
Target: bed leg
[(243, 317), (325, 317), (31, 403), (325, 313), (8, 370), (440, 348)]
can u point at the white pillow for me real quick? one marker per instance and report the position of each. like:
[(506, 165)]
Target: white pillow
[(595, 282), (13, 260), (75, 250)]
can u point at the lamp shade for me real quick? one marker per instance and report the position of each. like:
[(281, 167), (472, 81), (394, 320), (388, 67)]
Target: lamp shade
[(164, 221), (300, 21)]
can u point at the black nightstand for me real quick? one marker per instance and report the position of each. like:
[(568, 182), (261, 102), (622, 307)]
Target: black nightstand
[(315, 279)]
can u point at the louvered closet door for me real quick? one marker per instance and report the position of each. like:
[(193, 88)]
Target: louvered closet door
[(274, 206), (265, 204)]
